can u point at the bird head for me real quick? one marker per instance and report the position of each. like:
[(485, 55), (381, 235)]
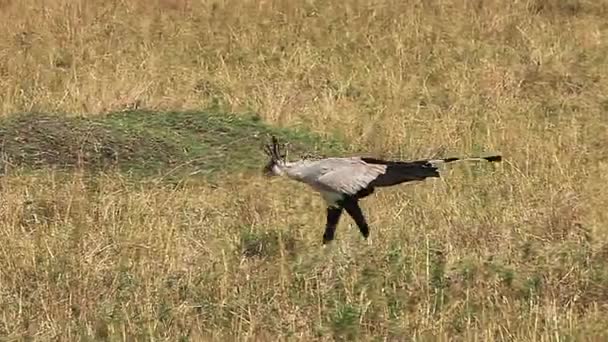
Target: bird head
[(277, 157)]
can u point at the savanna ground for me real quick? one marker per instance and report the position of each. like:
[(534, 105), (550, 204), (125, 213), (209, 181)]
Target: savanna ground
[(102, 239)]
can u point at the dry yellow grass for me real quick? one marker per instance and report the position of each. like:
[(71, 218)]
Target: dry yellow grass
[(517, 252)]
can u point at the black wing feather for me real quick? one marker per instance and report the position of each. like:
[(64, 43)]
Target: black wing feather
[(398, 172)]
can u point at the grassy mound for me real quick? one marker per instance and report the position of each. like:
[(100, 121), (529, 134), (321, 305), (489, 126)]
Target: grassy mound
[(144, 144)]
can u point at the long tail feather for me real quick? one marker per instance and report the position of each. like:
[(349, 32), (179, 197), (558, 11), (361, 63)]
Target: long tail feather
[(494, 158), (398, 172)]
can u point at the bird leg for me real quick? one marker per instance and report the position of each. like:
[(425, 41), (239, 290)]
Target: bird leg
[(352, 208), (333, 217)]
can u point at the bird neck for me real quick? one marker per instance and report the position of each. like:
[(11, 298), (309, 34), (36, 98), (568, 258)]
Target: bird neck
[(294, 169), (281, 167)]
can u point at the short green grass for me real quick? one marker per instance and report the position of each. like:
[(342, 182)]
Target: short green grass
[(165, 145)]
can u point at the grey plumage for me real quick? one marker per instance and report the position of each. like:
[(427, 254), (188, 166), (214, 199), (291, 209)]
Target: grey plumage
[(342, 182)]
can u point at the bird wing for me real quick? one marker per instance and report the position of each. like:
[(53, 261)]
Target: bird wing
[(398, 172), (349, 175)]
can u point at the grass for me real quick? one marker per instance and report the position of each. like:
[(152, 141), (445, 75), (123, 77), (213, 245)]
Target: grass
[(165, 145), (513, 252)]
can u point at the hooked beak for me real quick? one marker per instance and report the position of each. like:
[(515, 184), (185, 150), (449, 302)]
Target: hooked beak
[(267, 171)]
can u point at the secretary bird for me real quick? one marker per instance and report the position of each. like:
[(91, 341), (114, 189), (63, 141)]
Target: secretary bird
[(342, 182)]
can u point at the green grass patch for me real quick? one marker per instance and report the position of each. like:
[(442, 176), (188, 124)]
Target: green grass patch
[(149, 144)]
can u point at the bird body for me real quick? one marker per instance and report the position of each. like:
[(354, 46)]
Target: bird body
[(332, 177), (342, 182)]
